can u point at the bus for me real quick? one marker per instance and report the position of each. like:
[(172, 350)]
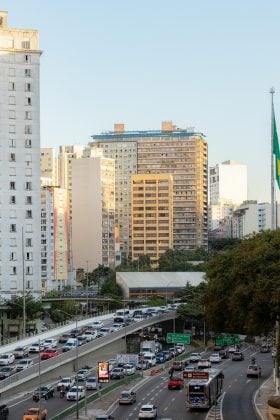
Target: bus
[(204, 388)]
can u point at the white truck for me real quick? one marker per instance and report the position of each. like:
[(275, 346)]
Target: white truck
[(149, 347), (127, 359)]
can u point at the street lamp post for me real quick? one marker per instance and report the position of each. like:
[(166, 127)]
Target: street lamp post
[(87, 291), (23, 288)]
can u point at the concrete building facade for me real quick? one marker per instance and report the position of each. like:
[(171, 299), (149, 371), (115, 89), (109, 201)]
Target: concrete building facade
[(20, 268), (93, 217), (49, 166), (152, 215)]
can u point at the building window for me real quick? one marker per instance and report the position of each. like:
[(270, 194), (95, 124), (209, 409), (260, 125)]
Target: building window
[(27, 72), (12, 72), (12, 115), (12, 100), (29, 271), (27, 87), (28, 242), (28, 199), (25, 45), (29, 256), (28, 185), (28, 115), (28, 129), (12, 129), (12, 86), (13, 227), (12, 143), (13, 256), (28, 143), (14, 270), (28, 157), (27, 101), (27, 58), (12, 199), (12, 157), (12, 185), (28, 214)]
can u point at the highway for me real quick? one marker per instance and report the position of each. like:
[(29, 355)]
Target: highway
[(238, 394)]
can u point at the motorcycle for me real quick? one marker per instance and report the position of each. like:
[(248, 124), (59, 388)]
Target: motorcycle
[(62, 393)]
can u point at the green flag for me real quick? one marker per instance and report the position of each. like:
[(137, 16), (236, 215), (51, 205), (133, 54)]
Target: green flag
[(276, 151)]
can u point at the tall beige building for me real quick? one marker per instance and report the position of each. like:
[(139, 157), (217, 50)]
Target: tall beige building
[(152, 215), (171, 150), (93, 212), (49, 165)]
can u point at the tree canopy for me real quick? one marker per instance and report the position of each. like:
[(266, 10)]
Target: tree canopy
[(33, 308), (182, 260), (243, 291)]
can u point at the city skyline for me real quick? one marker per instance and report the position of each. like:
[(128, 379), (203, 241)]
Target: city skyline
[(208, 66)]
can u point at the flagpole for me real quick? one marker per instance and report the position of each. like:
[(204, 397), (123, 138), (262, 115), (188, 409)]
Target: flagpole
[(272, 91)]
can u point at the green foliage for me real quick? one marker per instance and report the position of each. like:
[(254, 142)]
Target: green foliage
[(33, 308), (110, 287), (181, 260), (96, 276), (142, 264), (216, 246), (243, 293), (64, 309), (192, 299)]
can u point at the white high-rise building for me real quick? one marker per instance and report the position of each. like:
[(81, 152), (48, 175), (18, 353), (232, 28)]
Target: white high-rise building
[(20, 260), (228, 189)]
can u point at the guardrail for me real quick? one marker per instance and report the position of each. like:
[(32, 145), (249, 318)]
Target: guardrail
[(51, 364)]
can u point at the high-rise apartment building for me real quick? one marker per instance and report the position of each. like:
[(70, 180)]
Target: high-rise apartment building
[(54, 238), (228, 189), (49, 166), (93, 217), (122, 147), (152, 215), (19, 161), (180, 152)]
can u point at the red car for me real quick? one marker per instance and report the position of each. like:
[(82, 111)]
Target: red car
[(49, 353), (175, 382)]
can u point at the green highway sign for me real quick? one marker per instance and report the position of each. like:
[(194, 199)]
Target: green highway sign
[(227, 340), (178, 338)]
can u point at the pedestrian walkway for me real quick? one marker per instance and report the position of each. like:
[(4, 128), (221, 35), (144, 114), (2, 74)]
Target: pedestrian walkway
[(261, 397)]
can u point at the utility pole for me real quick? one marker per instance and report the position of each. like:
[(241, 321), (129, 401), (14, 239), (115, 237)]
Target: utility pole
[(23, 287), (277, 356)]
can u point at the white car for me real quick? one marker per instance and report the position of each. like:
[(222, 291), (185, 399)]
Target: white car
[(147, 411), (36, 348), (116, 327), (90, 335), (76, 391), (21, 352), (92, 384), (215, 358), (82, 374), (50, 343), (98, 324), (104, 331), (68, 383), (129, 369), (7, 359), (24, 364), (195, 357)]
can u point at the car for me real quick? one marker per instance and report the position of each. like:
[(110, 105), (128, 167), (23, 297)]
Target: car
[(127, 397), (195, 357), (7, 359), (116, 327), (173, 351), (7, 371), (254, 370), (82, 374), (203, 364), (104, 331), (45, 392), (237, 356), (215, 358), (180, 348), (166, 354), (129, 369), (50, 343), (82, 339), (160, 358), (232, 349), (4, 412), (71, 344), (90, 335), (175, 382), (49, 353), (224, 353), (66, 382), (76, 392), (177, 365), (36, 347), (117, 373), (98, 324), (92, 383), (142, 364), (64, 338), (264, 348), (21, 352), (24, 364), (147, 411), (35, 413)]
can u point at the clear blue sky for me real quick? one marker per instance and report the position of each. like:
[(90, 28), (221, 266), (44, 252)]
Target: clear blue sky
[(205, 63)]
